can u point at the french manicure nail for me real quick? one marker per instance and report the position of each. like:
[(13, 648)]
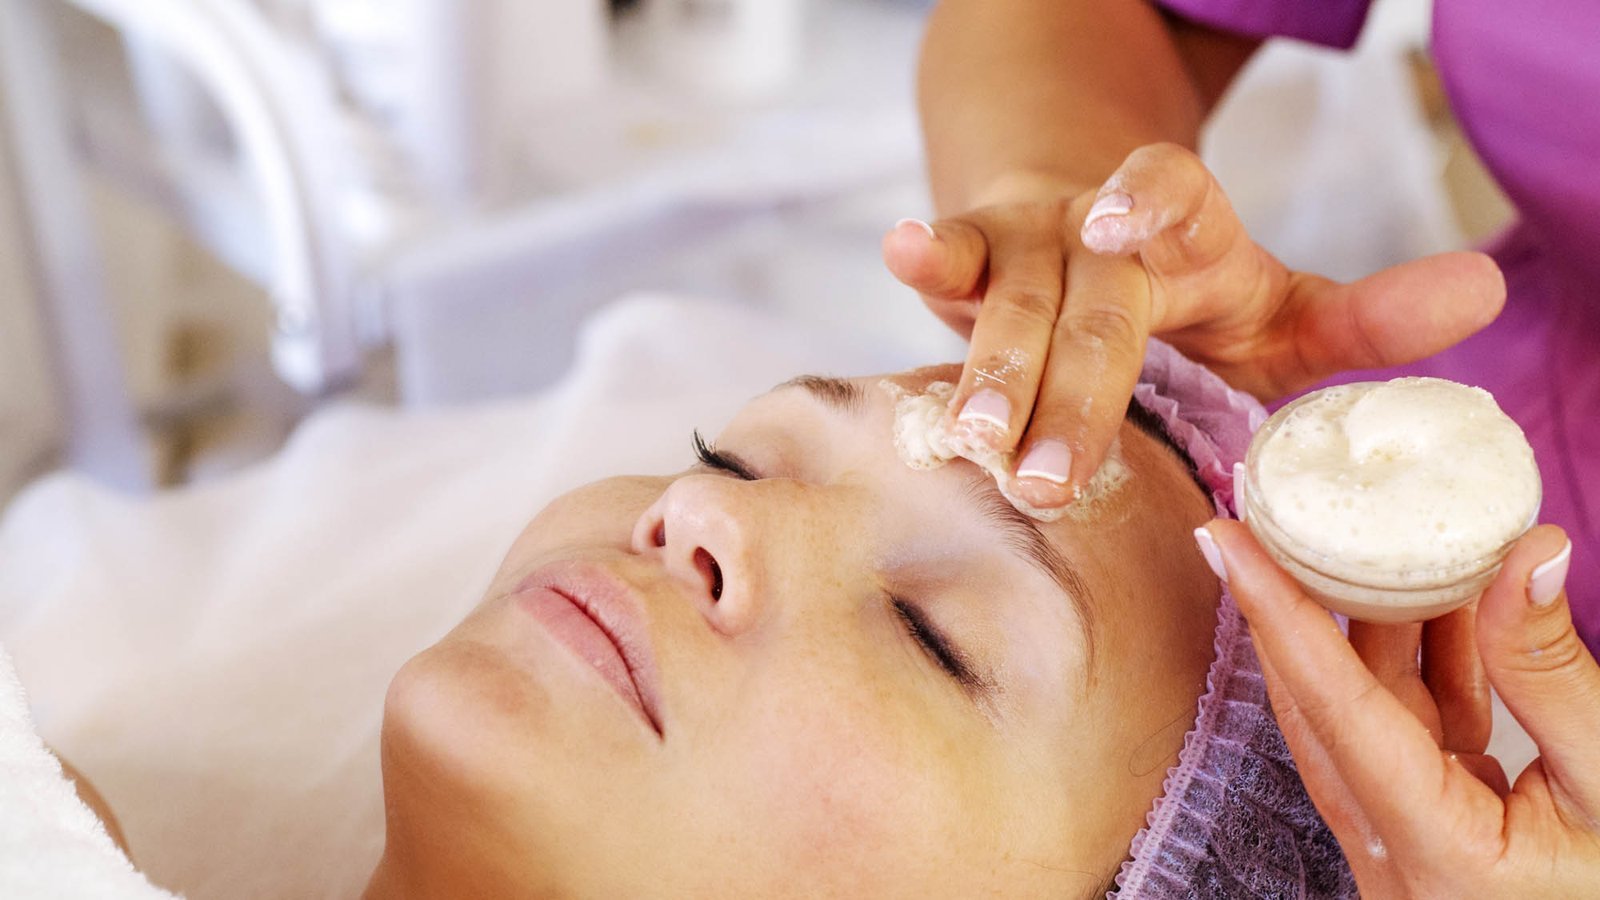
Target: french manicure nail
[(1545, 584), (1049, 460), (989, 407), (920, 224), (1113, 204), (1238, 489), (1208, 549)]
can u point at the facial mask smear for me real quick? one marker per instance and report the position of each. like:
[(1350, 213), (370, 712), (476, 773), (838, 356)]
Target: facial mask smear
[(924, 442)]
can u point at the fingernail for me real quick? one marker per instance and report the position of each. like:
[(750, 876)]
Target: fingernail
[(1544, 585), (1113, 204), (1208, 549), (1238, 490), (1048, 459), (920, 224), (989, 407)]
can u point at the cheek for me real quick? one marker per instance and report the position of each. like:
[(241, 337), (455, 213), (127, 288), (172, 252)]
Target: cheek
[(844, 777), (595, 516), (610, 506)]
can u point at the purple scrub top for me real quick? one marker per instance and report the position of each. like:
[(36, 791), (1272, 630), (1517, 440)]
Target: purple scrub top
[(1523, 79)]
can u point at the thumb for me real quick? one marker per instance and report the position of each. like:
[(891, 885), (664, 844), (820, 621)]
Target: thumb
[(1393, 316), (1397, 315), (1544, 673)]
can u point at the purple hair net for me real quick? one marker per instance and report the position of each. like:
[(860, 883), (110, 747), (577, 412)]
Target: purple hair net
[(1233, 820)]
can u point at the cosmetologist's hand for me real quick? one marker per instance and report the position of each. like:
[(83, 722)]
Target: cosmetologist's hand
[(1392, 753), (1058, 287)]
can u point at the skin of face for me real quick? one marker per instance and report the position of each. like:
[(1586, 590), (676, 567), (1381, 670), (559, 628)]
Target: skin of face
[(808, 744)]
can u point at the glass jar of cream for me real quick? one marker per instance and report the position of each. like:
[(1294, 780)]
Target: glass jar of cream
[(1390, 501)]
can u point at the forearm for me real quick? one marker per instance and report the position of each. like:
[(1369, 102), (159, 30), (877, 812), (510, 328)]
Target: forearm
[(1016, 93)]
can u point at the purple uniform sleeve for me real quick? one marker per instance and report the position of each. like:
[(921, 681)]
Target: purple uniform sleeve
[(1333, 23)]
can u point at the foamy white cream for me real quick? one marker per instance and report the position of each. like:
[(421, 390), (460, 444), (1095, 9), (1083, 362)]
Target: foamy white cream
[(1406, 480), (923, 442)]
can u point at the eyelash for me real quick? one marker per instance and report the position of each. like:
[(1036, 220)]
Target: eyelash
[(935, 644), (925, 633), (707, 456)]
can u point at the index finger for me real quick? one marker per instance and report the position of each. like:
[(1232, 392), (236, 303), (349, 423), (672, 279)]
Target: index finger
[(1371, 739), (1011, 336), (1096, 353)]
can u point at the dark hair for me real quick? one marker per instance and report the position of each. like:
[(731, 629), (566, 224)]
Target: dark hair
[(1151, 424)]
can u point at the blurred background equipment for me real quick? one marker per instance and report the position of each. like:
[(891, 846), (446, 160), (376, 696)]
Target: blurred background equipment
[(216, 215), (725, 47)]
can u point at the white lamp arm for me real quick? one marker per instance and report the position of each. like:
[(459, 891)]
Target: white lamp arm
[(280, 109)]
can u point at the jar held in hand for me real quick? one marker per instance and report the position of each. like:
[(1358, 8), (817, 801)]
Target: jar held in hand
[(1390, 501)]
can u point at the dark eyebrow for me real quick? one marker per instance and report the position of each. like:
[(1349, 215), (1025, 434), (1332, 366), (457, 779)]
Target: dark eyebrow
[(1023, 536), (838, 393)]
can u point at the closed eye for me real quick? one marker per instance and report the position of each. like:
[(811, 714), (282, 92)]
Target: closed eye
[(712, 458), (938, 646)]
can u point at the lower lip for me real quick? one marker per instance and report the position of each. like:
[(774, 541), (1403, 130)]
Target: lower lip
[(572, 627)]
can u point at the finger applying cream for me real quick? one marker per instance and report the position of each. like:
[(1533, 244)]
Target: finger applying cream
[(924, 441)]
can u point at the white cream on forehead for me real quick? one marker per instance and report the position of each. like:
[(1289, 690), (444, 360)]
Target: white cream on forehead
[(923, 442)]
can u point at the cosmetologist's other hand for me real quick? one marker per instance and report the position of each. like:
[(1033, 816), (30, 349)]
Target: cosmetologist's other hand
[(1058, 287), (1392, 753)]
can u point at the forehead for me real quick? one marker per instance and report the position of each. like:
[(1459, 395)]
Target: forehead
[(867, 399), (847, 424)]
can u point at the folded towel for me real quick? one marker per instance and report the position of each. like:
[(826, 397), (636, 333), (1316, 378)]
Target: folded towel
[(51, 844)]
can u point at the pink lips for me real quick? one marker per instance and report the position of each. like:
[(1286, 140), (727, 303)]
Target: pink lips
[(598, 617)]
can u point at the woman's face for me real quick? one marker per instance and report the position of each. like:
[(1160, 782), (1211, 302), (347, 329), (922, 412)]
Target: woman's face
[(819, 673)]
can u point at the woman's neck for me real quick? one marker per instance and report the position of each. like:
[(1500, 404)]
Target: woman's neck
[(439, 871)]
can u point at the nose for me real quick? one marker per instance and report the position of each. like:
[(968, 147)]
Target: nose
[(702, 530)]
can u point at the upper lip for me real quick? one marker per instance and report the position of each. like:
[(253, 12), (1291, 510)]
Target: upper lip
[(618, 609)]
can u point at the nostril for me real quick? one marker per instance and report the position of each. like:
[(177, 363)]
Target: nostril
[(708, 564), (658, 537)]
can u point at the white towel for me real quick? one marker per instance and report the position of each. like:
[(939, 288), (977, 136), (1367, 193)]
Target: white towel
[(52, 846)]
